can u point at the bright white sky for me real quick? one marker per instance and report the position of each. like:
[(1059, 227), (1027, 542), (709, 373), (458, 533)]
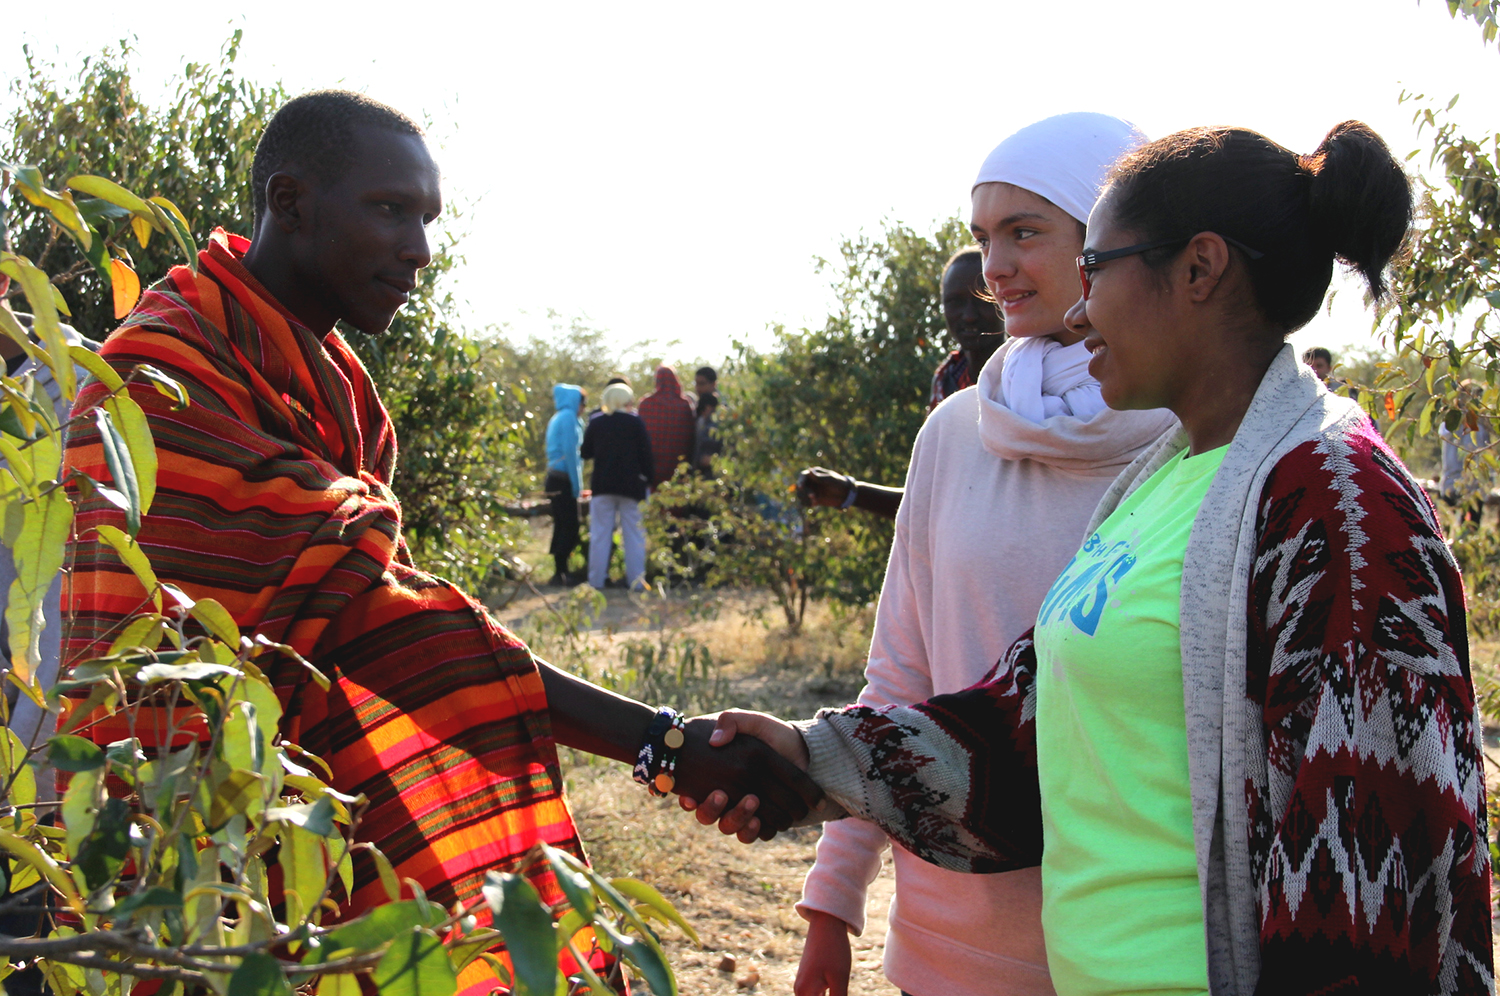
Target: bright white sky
[(669, 171)]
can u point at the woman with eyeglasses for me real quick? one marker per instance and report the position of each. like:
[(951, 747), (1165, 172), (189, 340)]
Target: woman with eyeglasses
[(1241, 740)]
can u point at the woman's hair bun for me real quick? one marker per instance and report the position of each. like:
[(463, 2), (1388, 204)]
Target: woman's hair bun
[(1360, 200)]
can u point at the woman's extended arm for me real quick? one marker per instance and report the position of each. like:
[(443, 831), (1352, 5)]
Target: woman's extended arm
[(952, 779)]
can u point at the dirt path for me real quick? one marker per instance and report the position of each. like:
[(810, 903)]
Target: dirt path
[(738, 898)]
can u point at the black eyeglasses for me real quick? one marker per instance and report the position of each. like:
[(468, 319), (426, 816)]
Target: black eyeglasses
[(1091, 259)]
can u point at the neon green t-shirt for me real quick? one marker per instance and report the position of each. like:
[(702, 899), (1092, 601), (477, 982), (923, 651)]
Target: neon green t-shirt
[(1121, 907)]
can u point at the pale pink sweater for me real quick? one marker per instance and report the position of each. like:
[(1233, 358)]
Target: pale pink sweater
[(995, 506)]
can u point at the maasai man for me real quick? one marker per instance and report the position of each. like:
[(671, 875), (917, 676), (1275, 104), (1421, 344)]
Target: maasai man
[(972, 320), (274, 497)]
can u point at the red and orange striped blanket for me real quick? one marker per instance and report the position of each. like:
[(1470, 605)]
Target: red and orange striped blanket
[(274, 498)]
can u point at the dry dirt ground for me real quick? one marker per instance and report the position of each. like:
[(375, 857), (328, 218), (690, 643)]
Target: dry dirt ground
[(739, 899)]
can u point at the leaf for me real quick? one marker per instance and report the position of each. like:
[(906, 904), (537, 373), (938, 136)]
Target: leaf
[(574, 886), (527, 927), (243, 743), (39, 296), (69, 753), (304, 869), (388, 880), (176, 229), (196, 671), (134, 429), (338, 984), (643, 893), (142, 229), (121, 468), (131, 555), (217, 621), (108, 190), (643, 953), (96, 211), (238, 793), (104, 851), (314, 817), (164, 385), (156, 897), (415, 965), (13, 754), (374, 929), (95, 364), (141, 633), (59, 204), (43, 863), (38, 553), (124, 284), (259, 975)]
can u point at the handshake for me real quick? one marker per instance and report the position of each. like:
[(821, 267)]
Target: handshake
[(745, 771)]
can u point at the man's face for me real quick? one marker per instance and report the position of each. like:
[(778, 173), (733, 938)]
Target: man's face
[(365, 234), (1320, 367), (966, 315), (703, 385)]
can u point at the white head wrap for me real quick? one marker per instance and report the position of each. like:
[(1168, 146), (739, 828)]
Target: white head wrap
[(1064, 159)]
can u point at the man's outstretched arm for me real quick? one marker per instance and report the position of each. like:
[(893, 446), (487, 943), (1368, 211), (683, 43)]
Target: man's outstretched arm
[(747, 774)]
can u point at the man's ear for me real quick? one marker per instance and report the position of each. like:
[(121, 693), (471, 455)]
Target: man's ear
[(1205, 260), (286, 201)]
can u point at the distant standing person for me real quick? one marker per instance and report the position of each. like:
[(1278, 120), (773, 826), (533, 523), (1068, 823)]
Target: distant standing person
[(972, 320), (1321, 361), (564, 481), (600, 410), (705, 382), (706, 445), (670, 422), (618, 444)]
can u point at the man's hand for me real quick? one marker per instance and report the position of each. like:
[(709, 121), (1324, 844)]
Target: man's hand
[(826, 959), (821, 487), (769, 792), (741, 821)]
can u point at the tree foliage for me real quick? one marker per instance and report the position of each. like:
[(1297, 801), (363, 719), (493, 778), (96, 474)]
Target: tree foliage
[(195, 149), (850, 395)]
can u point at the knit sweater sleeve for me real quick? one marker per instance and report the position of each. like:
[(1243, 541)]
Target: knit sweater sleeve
[(1367, 815), (952, 779)]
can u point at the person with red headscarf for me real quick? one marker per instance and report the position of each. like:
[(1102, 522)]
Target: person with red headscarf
[(670, 422)]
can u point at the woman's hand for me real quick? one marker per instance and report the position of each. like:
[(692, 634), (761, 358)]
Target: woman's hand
[(769, 792), (826, 958), (730, 728)]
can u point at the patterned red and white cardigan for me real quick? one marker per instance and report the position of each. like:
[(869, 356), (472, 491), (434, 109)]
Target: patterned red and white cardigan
[(1334, 742)]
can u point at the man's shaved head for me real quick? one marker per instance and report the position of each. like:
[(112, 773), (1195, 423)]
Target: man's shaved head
[(316, 133)]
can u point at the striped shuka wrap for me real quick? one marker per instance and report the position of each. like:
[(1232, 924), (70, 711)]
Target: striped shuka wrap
[(274, 498)]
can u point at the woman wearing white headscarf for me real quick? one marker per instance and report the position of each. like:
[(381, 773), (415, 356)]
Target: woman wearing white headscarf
[(1002, 480)]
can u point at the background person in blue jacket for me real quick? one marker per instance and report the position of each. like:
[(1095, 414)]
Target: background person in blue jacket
[(564, 475)]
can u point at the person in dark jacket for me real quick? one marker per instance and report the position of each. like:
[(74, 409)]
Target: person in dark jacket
[(621, 450)]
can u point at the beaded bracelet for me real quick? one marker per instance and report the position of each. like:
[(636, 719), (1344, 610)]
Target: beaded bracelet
[(656, 762)]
